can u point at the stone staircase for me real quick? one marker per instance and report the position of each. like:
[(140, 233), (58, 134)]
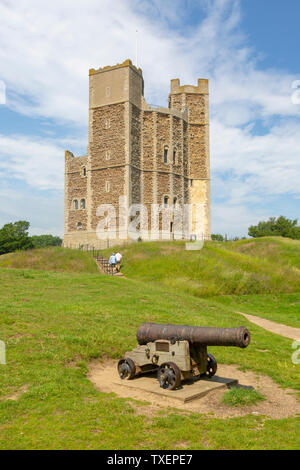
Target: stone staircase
[(105, 267)]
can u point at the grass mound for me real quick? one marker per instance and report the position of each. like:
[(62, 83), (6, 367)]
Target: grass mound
[(256, 266), (50, 259), (247, 267), (241, 397)]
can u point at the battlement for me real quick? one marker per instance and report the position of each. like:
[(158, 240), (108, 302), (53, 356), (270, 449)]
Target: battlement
[(116, 84), (69, 155), (107, 68), (201, 88)]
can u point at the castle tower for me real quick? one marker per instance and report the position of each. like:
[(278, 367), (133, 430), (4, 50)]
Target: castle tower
[(142, 154), (114, 128), (196, 100)]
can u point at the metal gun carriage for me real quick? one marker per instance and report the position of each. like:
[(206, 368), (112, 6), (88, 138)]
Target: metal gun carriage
[(178, 352)]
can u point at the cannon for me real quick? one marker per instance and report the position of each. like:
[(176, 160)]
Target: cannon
[(178, 352)]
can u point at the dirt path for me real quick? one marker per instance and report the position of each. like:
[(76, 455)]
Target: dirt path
[(277, 328), (279, 403)]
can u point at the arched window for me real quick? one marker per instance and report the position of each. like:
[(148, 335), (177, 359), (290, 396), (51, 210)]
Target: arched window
[(83, 171), (166, 202), (175, 201), (75, 204), (166, 149), (79, 225), (82, 204)]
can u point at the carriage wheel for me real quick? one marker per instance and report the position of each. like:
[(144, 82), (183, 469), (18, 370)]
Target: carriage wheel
[(211, 366), (169, 376), (126, 368)]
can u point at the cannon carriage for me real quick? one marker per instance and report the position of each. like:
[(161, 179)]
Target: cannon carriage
[(178, 352)]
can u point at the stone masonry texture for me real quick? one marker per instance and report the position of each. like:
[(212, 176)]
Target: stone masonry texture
[(147, 155)]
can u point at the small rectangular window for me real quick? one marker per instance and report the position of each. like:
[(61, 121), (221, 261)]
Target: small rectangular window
[(166, 155), (174, 157), (107, 186)]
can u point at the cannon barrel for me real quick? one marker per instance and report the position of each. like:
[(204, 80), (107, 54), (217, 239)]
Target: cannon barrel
[(149, 332)]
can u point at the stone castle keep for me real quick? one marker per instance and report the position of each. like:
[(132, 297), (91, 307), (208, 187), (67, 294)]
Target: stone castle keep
[(143, 154)]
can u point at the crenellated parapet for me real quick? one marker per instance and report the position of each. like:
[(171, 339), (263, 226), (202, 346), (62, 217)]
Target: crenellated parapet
[(201, 88), (107, 68)]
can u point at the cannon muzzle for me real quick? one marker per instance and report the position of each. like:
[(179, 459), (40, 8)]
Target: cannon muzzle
[(149, 332)]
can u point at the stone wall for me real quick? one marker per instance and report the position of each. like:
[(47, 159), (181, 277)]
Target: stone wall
[(76, 192), (127, 140), (107, 158)]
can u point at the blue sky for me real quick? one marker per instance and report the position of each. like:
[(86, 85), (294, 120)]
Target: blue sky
[(247, 48)]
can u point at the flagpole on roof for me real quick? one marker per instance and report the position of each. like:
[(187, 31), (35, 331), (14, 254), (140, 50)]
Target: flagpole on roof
[(137, 49)]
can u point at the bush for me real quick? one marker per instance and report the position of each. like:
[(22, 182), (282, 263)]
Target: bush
[(42, 241), (217, 237)]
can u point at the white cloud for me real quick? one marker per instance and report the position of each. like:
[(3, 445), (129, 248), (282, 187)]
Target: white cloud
[(46, 51), (44, 211), (234, 220), (2, 92), (259, 165), (38, 163)]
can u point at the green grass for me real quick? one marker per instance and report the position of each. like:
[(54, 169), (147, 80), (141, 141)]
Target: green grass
[(278, 250), (241, 397), (53, 324), (280, 308), (61, 313), (50, 259), (262, 266)]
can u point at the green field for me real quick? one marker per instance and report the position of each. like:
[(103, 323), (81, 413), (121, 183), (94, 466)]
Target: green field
[(58, 316)]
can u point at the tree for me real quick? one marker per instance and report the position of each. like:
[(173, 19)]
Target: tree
[(280, 227), (42, 241), (14, 236), (217, 237)]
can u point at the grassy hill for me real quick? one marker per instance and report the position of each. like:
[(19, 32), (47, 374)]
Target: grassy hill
[(260, 266), (57, 312), (256, 266), (50, 259)]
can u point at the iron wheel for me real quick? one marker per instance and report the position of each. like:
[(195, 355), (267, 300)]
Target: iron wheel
[(211, 366), (126, 368), (169, 376)]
